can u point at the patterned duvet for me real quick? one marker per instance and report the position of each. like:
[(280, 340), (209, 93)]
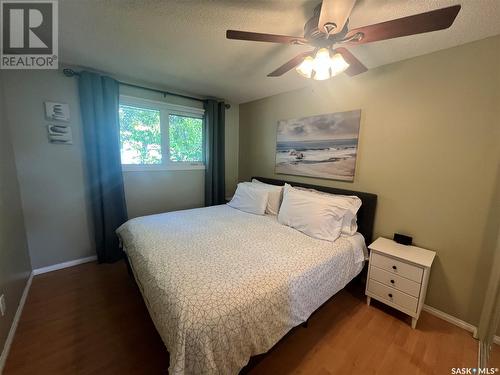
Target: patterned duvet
[(222, 285)]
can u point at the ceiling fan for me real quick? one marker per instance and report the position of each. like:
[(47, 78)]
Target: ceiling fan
[(328, 30)]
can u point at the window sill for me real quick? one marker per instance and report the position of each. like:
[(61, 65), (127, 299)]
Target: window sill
[(158, 168)]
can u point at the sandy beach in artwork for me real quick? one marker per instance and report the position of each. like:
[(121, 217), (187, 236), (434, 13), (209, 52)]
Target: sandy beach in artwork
[(337, 170)]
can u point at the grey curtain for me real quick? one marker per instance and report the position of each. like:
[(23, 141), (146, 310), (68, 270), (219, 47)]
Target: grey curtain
[(214, 154), (99, 101)]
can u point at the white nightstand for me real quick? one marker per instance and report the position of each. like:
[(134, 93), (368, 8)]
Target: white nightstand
[(398, 276)]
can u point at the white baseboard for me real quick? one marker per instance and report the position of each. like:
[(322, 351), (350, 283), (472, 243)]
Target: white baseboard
[(15, 321), (484, 353), (451, 319), (479, 353), (60, 266)]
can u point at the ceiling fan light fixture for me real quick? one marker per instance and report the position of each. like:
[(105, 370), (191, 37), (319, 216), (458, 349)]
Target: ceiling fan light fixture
[(338, 64), (329, 26), (305, 69), (323, 66), (321, 74)]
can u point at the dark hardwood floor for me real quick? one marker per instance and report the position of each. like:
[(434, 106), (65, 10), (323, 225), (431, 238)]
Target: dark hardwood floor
[(90, 319)]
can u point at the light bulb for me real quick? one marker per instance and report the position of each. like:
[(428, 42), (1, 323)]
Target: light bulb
[(306, 67), (338, 64), (322, 65), (322, 58)]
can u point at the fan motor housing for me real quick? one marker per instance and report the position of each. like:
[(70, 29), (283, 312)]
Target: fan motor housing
[(321, 39)]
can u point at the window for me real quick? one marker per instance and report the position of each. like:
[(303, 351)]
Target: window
[(186, 138), (140, 136), (160, 136)]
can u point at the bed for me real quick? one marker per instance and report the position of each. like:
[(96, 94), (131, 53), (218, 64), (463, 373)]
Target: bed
[(222, 285)]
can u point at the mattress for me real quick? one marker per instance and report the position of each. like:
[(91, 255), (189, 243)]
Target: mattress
[(222, 285)]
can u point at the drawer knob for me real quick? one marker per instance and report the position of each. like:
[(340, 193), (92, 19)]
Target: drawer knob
[(394, 268), (390, 295), (392, 281)]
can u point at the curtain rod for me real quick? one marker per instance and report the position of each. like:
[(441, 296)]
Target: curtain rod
[(71, 73)]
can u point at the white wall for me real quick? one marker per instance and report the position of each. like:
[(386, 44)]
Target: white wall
[(52, 177)]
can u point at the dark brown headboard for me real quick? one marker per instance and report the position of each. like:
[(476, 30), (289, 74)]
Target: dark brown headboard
[(366, 214)]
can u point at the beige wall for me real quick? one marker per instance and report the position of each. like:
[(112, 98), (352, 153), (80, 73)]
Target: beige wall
[(52, 177), (429, 147), (154, 192), (15, 264), (232, 148), (491, 308)]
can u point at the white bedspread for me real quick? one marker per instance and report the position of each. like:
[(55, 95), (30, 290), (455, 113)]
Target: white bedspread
[(222, 285)]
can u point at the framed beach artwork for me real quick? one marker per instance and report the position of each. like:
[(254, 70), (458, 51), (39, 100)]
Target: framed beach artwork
[(322, 146)]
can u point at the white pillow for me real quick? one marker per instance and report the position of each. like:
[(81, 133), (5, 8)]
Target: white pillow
[(349, 202), (275, 195), (310, 213), (249, 199), (349, 224)]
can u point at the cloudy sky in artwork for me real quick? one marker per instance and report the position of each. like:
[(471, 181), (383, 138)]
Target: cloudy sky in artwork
[(340, 125)]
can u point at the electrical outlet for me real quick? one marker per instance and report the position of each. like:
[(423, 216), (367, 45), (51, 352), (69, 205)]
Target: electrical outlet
[(3, 306)]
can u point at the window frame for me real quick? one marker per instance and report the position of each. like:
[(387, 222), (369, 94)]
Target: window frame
[(165, 109)]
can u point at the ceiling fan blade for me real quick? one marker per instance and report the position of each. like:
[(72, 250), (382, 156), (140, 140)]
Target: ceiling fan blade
[(336, 12), (289, 65), (260, 37), (355, 66), (417, 24)]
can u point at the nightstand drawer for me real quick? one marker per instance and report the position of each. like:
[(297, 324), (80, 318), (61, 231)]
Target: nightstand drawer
[(397, 267), (400, 283), (403, 300)]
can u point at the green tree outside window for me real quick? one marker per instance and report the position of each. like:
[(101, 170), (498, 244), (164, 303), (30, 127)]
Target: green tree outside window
[(140, 135), (186, 138)]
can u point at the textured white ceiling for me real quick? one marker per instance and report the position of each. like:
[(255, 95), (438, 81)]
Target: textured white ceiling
[(181, 44)]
